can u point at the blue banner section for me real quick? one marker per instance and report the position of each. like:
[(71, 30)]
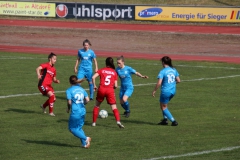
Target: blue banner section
[(95, 11)]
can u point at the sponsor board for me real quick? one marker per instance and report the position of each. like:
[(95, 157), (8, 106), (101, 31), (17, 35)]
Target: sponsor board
[(187, 14), (27, 9), (95, 11)]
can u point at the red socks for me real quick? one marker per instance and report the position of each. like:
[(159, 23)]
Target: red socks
[(51, 102), (116, 114), (95, 113)]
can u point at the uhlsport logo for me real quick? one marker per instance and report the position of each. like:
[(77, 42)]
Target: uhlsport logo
[(150, 12), (235, 15), (61, 10)]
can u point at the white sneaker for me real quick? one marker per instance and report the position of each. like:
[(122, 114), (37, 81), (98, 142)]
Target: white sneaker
[(51, 114), (93, 124), (120, 125), (87, 142), (43, 109)]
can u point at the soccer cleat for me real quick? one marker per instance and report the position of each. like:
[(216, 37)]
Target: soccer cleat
[(163, 122), (174, 123), (51, 114), (93, 124), (127, 114), (124, 113), (91, 99), (120, 125), (43, 109), (87, 142)]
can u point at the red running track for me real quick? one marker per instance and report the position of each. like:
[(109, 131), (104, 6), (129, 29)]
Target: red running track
[(117, 26), (114, 26)]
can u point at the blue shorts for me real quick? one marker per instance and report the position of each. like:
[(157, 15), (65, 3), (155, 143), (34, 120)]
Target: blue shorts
[(76, 121), (165, 97), (127, 92), (85, 74)]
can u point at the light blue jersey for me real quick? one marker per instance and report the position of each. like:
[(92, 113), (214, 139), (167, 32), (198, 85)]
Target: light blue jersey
[(77, 117), (125, 75), (86, 58), (77, 94), (168, 76)]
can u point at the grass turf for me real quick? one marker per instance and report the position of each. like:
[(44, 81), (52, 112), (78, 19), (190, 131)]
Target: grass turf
[(206, 106)]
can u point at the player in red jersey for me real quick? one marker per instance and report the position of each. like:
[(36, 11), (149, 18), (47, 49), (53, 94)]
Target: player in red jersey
[(46, 73), (108, 82)]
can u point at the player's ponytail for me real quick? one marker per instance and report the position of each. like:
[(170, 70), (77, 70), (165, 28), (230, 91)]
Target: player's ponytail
[(51, 55), (167, 60), (73, 79), (109, 62), (87, 41)]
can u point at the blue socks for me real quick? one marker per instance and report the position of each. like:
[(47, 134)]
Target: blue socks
[(126, 106), (167, 114), (91, 90)]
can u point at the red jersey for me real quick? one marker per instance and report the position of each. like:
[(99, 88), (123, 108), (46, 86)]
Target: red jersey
[(108, 76), (47, 73)]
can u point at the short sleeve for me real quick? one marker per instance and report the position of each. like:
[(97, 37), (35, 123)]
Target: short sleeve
[(68, 95)]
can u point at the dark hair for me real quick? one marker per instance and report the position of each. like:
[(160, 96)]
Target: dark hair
[(109, 62), (73, 79), (120, 58), (87, 41), (167, 60), (51, 55)]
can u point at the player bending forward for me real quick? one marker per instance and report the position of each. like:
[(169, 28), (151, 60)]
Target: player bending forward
[(108, 82)]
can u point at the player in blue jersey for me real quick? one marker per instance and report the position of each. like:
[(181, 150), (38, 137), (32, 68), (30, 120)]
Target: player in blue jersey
[(125, 74), (77, 97), (168, 77), (85, 57)]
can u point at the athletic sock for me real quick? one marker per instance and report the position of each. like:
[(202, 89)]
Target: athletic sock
[(51, 103), (123, 106), (168, 114), (127, 106), (164, 117), (46, 103), (116, 115), (91, 90), (95, 113)]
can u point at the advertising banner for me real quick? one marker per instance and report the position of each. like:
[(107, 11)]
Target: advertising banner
[(27, 9), (187, 14), (95, 11)]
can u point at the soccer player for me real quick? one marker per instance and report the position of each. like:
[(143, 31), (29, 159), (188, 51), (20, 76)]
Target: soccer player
[(46, 74), (86, 56), (108, 82), (125, 74), (168, 77), (77, 97)]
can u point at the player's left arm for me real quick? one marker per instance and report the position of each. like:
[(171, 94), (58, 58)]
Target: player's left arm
[(93, 80), (69, 103), (96, 64), (115, 84), (178, 80), (159, 83), (140, 75), (55, 80)]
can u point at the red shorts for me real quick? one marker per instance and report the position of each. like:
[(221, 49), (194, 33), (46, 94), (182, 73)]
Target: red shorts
[(108, 93), (45, 89)]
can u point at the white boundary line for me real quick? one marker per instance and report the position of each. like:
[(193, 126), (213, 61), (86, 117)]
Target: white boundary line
[(195, 153), (146, 84)]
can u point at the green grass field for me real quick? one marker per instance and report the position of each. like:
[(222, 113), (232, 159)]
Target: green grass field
[(206, 107)]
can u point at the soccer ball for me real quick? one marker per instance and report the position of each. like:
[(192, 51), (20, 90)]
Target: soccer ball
[(103, 113)]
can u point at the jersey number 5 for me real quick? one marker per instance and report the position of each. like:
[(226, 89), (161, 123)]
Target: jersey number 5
[(107, 80)]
